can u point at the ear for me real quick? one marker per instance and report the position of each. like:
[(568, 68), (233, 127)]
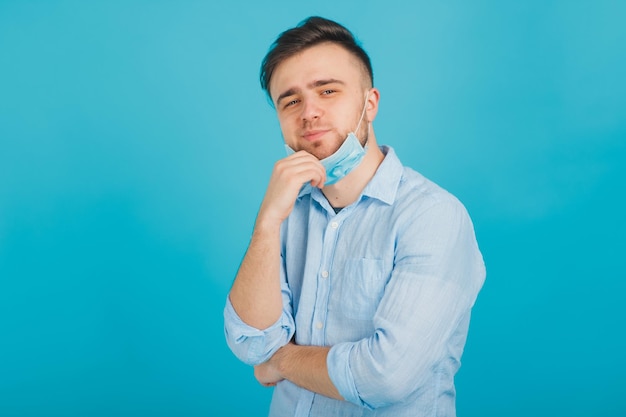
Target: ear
[(371, 106)]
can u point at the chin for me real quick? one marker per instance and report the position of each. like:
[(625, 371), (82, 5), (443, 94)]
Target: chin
[(325, 153), (321, 148)]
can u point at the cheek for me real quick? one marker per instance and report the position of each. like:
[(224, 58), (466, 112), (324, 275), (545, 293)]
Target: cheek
[(287, 131), (288, 124)]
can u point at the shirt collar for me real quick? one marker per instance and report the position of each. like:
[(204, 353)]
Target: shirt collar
[(384, 185)]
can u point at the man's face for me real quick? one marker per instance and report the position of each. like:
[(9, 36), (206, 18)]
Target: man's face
[(319, 95)]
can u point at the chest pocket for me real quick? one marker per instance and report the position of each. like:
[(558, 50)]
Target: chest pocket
[(362, 286)]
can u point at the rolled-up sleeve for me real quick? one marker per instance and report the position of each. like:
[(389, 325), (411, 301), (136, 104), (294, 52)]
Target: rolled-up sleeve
[(422, 318), (254, 346)]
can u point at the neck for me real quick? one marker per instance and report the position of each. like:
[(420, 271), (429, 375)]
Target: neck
[(349, 188)]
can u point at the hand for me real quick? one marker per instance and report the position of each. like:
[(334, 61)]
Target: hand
[(267, 374), (287, 178)]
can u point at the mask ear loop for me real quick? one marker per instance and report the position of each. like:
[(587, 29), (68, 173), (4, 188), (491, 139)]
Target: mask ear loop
[(360, 120), (362, 114)]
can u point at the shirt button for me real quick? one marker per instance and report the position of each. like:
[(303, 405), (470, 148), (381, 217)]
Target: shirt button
[(334, 225), (324, 274), (319, 325)]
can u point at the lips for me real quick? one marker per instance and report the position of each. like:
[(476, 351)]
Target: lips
[(312, 135)]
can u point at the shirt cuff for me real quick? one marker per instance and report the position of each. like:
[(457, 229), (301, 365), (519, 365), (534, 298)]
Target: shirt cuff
[(338, 362), (251, 345)]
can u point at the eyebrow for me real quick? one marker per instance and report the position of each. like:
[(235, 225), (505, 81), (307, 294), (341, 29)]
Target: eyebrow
[(314, 84)]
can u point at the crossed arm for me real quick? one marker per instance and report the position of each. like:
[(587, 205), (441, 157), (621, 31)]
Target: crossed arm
[(305, 366)]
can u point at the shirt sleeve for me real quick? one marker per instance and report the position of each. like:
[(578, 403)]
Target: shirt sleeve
[(438, 271), (254, 346)]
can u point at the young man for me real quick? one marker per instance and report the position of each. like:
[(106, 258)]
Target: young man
[(354, 296)]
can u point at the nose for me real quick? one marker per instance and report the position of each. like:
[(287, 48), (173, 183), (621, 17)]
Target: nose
[(311, 110)]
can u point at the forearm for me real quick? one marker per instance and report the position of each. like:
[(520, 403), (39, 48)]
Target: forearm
[(304, 366), (256, 294)]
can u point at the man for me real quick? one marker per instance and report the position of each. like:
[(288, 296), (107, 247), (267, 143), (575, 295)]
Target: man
[(354, 296)]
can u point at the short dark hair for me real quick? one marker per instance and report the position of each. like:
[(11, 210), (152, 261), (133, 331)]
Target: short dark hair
[(310, 32)]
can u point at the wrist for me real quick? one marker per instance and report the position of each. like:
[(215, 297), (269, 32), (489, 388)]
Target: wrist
[(267, 224), (281, 358)]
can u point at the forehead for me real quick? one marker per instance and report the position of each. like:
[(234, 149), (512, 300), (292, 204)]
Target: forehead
[(323, 61)]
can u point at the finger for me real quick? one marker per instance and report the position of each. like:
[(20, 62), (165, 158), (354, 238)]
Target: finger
[(320, 180), (300, 171)]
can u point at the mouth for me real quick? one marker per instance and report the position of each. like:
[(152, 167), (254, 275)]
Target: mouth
[(311, 135)]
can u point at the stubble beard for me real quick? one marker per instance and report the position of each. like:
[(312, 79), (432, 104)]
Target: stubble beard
[(364, 134)]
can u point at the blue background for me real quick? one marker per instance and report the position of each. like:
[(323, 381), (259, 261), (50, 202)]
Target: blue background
[(136, 144)]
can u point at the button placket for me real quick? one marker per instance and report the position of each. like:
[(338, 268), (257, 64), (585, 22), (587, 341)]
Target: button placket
[(323, 284)]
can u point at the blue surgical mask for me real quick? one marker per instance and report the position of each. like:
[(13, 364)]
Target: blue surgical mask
[(346, 158)]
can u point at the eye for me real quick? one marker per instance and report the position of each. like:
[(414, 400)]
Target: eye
[(291, 103), (327, 92)]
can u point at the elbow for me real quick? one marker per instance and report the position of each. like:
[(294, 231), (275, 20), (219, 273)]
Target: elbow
[(389, 392), (373, 378), (249, 350), (253, 346), (389, 379), (253, 349), (396, 393)]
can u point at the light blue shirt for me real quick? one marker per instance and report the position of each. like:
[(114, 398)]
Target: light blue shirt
[(388, 282)]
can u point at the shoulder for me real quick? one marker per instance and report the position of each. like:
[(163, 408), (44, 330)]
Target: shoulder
[(420, 195), (409, 194), (432, 221)]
